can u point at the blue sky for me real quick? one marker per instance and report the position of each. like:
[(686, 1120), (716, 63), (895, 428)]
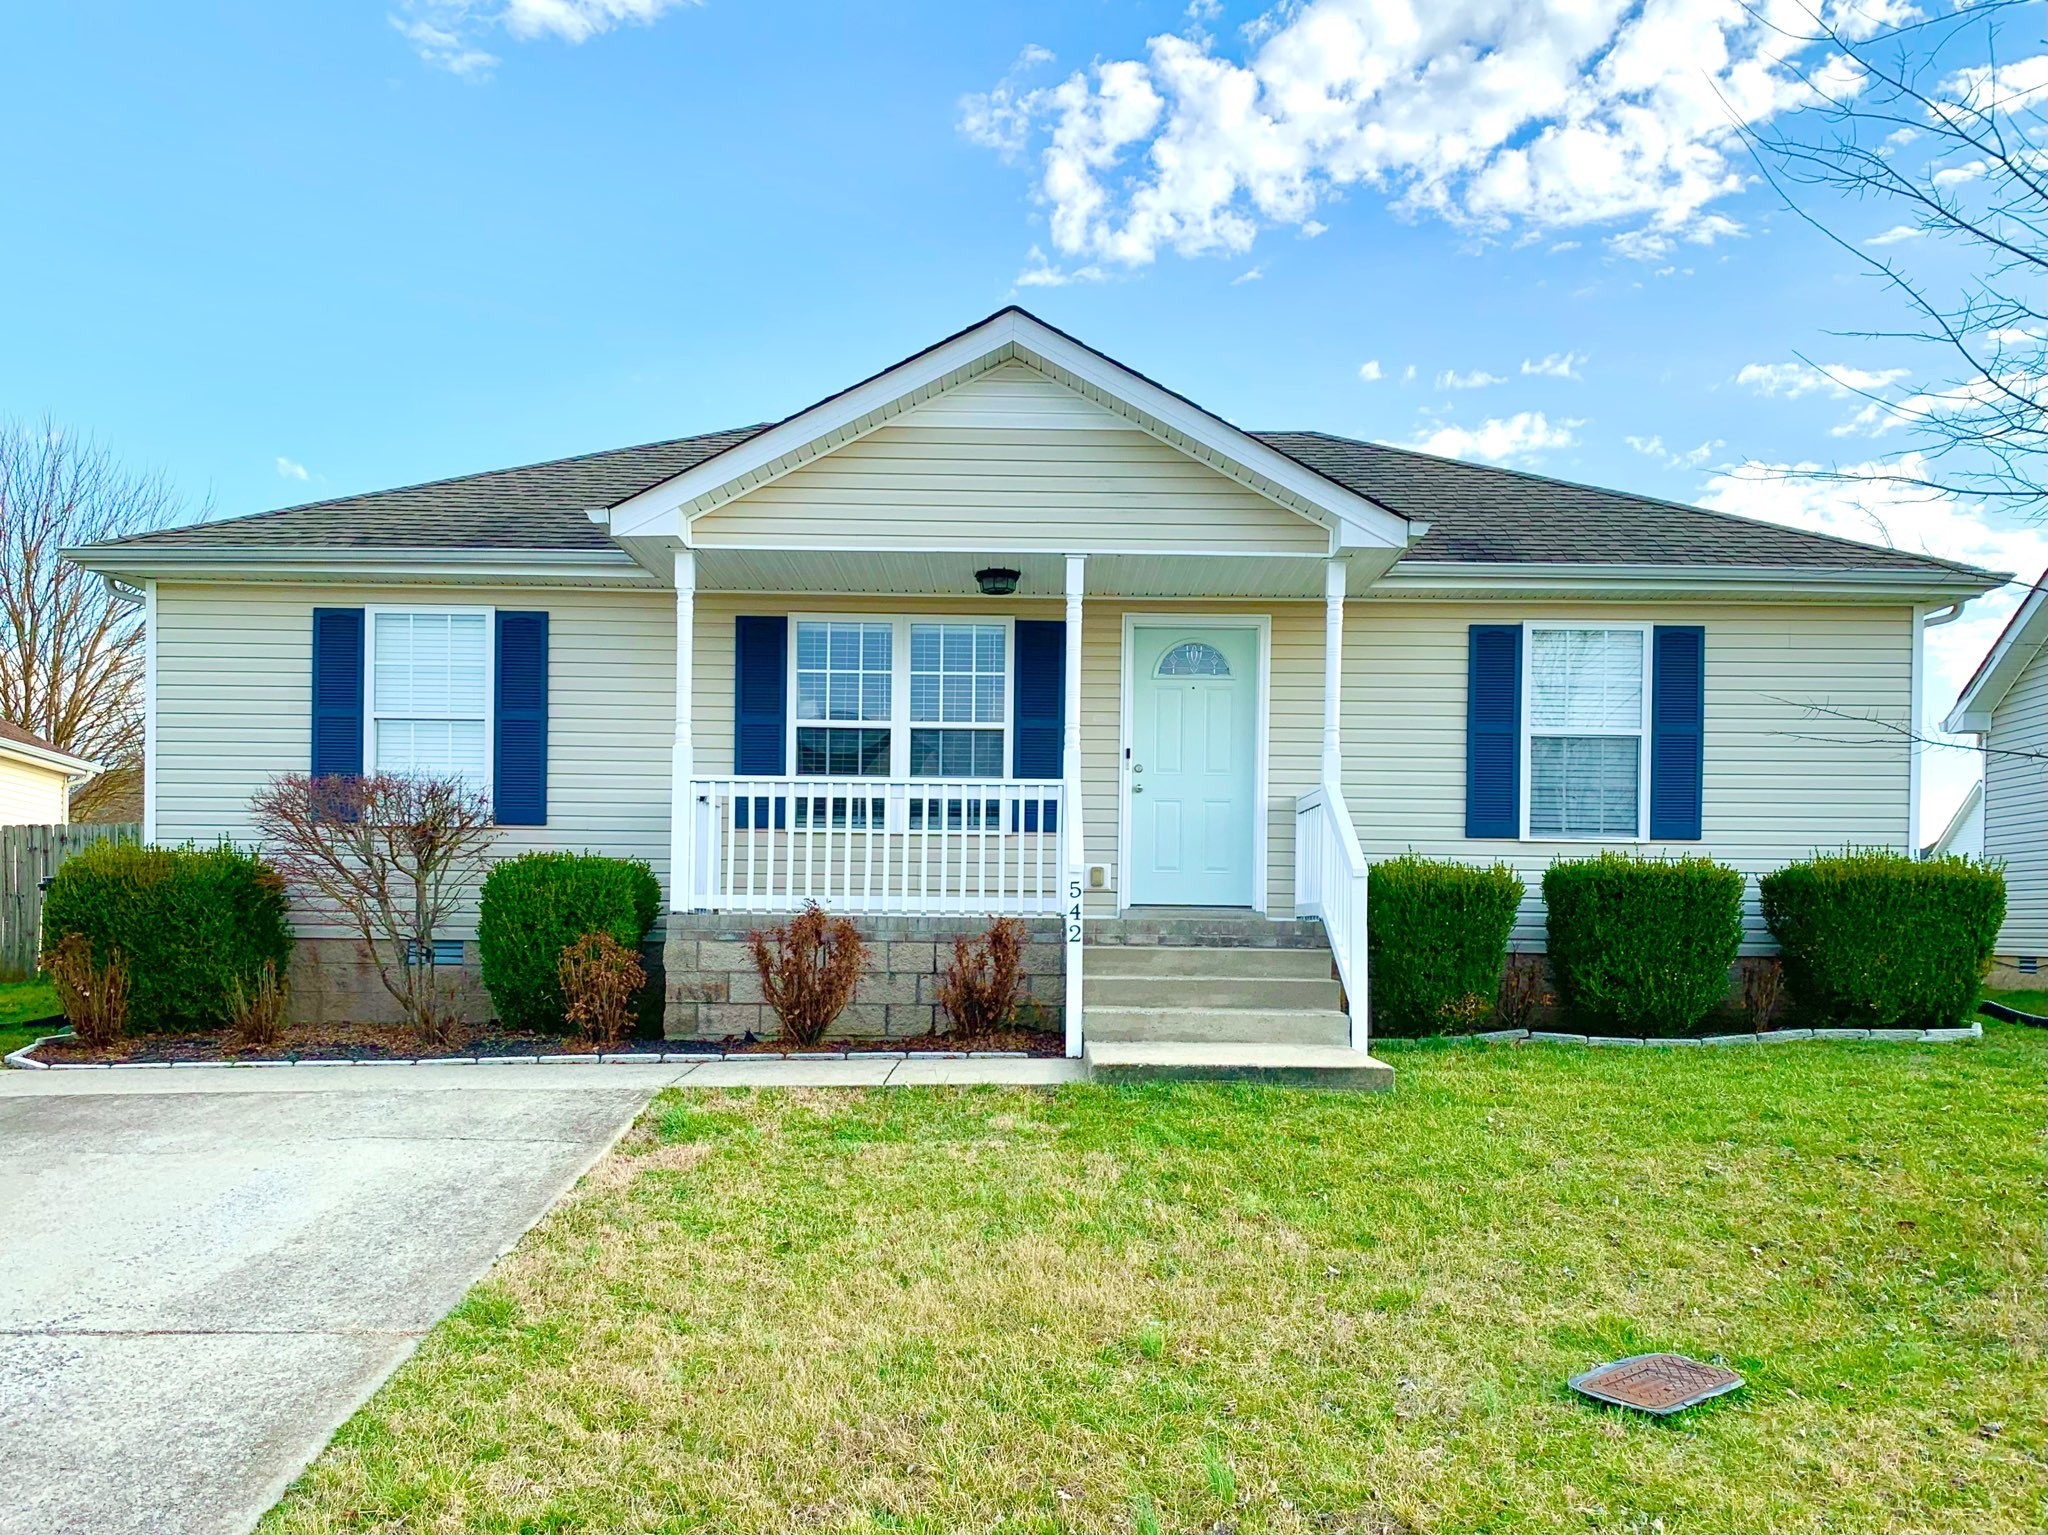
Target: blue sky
[(283, 252)]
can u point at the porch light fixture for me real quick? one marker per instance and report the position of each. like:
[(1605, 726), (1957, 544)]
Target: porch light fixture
[(996, 582)]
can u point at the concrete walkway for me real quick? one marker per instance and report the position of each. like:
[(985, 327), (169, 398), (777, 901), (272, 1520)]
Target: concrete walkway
[(204, 1272)]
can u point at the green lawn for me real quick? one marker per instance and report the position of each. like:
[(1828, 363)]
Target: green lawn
[(2026, 1001), (21, 1001), (1205, 1308)]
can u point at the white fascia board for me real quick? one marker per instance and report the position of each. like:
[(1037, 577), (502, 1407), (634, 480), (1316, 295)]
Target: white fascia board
[(2026, 633), (658, 510), (1458, 578), (606, 567), (50, 757)]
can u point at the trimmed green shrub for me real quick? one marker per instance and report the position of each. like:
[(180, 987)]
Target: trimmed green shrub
[(535, 906), (190, 923), (1880, 940), (1641, 946), (1437, 935)]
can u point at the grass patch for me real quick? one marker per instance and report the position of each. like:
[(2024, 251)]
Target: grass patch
[(1194, 1307), (2035, 1002), (21, 1001)]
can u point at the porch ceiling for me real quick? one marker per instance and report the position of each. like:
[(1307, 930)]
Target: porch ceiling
[(945, 573)]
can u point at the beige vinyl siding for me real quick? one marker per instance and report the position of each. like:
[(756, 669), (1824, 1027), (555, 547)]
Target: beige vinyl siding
[(234, 703), (1010, 461), (1782, 776), (31, 795), (2016, 808), (1297, 690)]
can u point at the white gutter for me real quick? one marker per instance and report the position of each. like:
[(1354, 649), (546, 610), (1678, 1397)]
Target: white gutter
[(1458, 578), (193, 562)]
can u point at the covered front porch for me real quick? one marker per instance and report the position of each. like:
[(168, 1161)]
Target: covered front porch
[(1114, 750)]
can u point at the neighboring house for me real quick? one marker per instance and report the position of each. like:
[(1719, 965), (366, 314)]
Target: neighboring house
[(1964, 835), (2005, 705), (36, 779), (1011, 627)]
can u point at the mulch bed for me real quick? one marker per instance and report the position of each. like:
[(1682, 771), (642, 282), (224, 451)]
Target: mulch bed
[(389, 1042)]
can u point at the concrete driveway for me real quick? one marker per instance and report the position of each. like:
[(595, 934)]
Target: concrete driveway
[(203, 1273)]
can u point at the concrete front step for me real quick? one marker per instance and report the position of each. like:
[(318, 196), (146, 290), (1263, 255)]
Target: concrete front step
[(1332, 1066), (1136, 960), (1218, 1025), (1269, 992)]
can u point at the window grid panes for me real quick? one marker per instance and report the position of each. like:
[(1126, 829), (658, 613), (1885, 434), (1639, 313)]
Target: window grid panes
[(957, 679), (1192, 658), (844, 674), (429, 698), (1585, 709)]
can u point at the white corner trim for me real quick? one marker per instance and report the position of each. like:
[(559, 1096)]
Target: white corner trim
[(150, 738)]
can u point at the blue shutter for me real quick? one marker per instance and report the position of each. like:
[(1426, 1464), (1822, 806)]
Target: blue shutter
[(1039, 694), (1493, 731), (519, 765), (760, 737), (1678, 717), (337, 693)]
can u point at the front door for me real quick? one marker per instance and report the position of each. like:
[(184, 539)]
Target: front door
[(1194, 734)]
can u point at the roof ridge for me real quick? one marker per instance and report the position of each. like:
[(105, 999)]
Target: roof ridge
[(1736, 518)]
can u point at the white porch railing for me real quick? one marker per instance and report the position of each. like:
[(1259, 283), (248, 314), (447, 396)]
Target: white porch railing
[(1329, 882), (921, 848)]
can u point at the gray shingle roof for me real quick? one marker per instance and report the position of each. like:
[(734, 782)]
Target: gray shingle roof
[(1477, 513)]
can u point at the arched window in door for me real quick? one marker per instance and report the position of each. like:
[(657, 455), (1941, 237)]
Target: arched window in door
[(1192, 658)]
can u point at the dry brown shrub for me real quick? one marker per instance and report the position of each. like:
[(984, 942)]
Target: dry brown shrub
[(1763, 991), (601, 978), (1522, 992), (978, 992), (1464, 1015), (95, 996), (257, 1010), (809, 969)]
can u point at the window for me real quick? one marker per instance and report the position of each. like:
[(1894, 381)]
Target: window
[(429, 691), (843, 675), (1192, 658), (957, 682), (900, 698), (1585, 701)]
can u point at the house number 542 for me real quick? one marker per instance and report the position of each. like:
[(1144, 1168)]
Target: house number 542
[(1073, 911)]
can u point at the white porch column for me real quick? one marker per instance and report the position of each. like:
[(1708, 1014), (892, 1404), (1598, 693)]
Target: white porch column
[(1334, 575), (1072, 824), (682, 838)]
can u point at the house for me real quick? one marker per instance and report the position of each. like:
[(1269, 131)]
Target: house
[(1963, 837), (2005, 705), (36, 779), (1010, 627)]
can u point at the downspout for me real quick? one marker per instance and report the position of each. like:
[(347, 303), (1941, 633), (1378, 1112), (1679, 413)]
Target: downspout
[(1923, 620), (144, 597)]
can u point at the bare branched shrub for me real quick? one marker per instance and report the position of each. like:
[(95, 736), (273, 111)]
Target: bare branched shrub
[(601, 977), (1523, 994), (256, 1010), (95, 996), (809, 969), (391, 856), (1465, 1014), (1763, 991), (978, 992)]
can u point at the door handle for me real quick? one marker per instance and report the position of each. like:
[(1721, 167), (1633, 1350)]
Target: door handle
[(1137, 788)]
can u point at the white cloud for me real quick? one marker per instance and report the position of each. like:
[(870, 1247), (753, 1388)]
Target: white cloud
[(444, 33), (1041, 273), (1486, 113), (1791, 380), (1873, 510), (1478, 378), (1000, 118), (2001, 87), (1249, 274), (1501, 438), (1896, 235), (288, 469), (1562, 246), (1556, 365), (1692, 458), (1313, 228), (1408, 374), (1369, 370)]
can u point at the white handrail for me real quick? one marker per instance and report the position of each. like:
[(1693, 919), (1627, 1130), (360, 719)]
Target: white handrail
[(918, 847), (1330, 883)]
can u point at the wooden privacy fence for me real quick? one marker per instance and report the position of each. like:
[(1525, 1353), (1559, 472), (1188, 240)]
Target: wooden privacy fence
[(28, 856)]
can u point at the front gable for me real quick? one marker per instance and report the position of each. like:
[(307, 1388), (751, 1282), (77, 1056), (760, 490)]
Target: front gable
[(1009, 459), (1017, 429)]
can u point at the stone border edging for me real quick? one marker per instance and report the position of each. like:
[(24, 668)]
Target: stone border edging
[(1769, 1037), (22, 1060)]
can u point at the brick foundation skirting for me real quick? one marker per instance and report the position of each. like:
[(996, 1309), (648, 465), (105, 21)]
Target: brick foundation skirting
[(714, 992)]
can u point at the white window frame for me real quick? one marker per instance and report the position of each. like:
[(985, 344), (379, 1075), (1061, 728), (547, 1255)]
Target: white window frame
[(1530, 629), (432, 610), (899, 722)]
